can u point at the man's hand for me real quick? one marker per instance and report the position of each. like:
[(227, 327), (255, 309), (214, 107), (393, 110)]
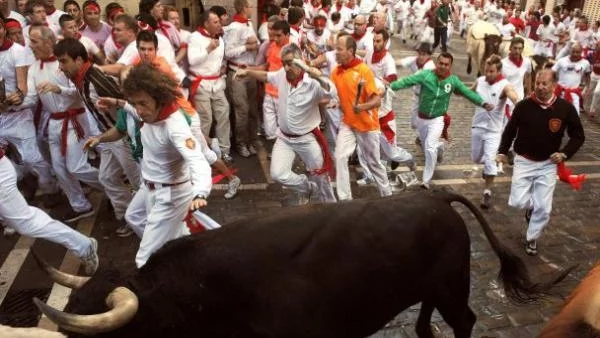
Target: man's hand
[(197, 203), (91, 142), (240, 73), (557, 157), (358, 108), (48, 87), (107, 104), (501, 158), (214, 44), (488, 106), (14, 99), (314, 72)]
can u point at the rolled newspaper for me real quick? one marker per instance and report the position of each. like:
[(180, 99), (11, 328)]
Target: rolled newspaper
[(359, 90), (2, 89), (300, 64)]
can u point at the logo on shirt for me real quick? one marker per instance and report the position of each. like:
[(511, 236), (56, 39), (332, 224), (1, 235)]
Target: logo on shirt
[(554, 125), (190, 143), (447, 88)]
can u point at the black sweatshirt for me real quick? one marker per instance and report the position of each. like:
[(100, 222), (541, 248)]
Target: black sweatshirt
[(539, 131)]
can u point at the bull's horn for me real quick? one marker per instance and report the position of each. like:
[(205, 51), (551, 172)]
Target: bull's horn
[(123, 304), (62, 278)]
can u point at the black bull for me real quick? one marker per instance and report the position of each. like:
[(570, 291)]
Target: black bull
[(336, 270)]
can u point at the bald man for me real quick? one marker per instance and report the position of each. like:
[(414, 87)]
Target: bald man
[(573, 73)]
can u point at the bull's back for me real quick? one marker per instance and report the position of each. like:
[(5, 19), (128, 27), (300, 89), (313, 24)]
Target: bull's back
[(323, 265)]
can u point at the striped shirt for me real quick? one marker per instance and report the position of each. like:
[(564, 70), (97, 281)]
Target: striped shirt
[(96, 84)]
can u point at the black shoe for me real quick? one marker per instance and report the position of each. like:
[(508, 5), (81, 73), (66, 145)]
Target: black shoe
[(51, 200), (404, 41), (528, 213), (72, 216), (394, 165), (531, 248), (486, 201)]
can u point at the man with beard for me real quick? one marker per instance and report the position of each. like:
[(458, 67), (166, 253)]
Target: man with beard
[(537, 128)]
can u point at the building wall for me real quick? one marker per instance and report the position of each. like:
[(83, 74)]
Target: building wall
[(591, 9)]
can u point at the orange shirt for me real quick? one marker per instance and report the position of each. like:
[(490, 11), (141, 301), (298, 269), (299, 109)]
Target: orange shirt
[(163, 66), (275, 64), (346, 81)]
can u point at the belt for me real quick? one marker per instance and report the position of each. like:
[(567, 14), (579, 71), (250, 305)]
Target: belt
[(530, 158), (426, 117), (196, 84), (154, 185), (235, 64), (66, 116)]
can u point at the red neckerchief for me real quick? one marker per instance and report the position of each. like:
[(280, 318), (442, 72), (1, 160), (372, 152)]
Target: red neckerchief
[(204, 32), (118, 45), (442, 76), (354, 62), (498, 79), (167, 110), (338, 7), (358, 37), (378, 56), (164, 28), (6, 44), (351, 7), (48, 59), (326, 10), (391, 78), (544, 105), (584, 27), (422, 2), (80, 76), (240, 18), (420, 66), (50, 10), (576, 59), (295, 82), (296, 28), (518, 62)]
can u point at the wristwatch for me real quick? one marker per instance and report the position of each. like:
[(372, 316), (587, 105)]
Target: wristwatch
[(202, 197)]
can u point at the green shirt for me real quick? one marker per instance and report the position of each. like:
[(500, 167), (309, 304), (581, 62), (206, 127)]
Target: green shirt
[(442, 13), (435, 93), (127, 124)]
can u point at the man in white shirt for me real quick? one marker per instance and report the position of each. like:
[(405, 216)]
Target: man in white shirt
[(241, 45), (382, 63), (124, 31), (364, 39), (36, 13), (416, 63), (507, 30), (69, 29), (546, 38), (8, 14), (317, 39), (206, 51), (299, 133), (52, 14), (402, 8), (487, 126), (573, 73), (67, 123), (17, 123), (176, 175)]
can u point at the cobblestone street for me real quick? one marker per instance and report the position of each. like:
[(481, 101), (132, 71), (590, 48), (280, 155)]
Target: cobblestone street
[(572, 237)]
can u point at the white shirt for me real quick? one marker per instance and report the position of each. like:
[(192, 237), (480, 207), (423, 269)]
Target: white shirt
[(335, 27), (130, 54), (366, 42), (235, 43), (387, 99), (401, 8), (89, 45), (206, 64), (492, 94), (185, 35), (585, 38), (26, 29), (507, 31), (331, 62), (547, 33), (172, 154), (298, 107), (570, 73), (53, 18), (10, 59), (385, 67), (420, 9), (367, 6), (319, 40), (515, 75), (111, 50), (263, 32)]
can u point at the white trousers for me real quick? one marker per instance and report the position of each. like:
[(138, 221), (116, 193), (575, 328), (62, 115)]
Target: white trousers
[(575, 103), (166, 208), (18, 129), (595, 85), (136, 215), (430, 132), (532, 186), (31, 221), (368, 145), (542, 48), (116, 163), (414, 112), (484, 146), (402, 27), (309, 150), (73, 167), (270, 117)]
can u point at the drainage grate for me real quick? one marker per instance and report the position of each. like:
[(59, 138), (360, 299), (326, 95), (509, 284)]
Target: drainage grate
[(18, 309)]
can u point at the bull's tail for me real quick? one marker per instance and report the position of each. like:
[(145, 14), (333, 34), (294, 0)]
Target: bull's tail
[(513, 272)]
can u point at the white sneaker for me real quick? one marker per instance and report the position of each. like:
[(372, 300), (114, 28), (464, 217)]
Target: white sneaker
[(365, 181), (90, 260), (232, 188), (500, 168), (8, 231)]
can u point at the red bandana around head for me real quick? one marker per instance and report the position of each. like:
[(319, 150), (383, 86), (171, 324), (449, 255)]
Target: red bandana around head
[(114, 12), (92, 6)]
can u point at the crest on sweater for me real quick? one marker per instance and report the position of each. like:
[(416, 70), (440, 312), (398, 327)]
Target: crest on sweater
[(554, 125), (190, 143)]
